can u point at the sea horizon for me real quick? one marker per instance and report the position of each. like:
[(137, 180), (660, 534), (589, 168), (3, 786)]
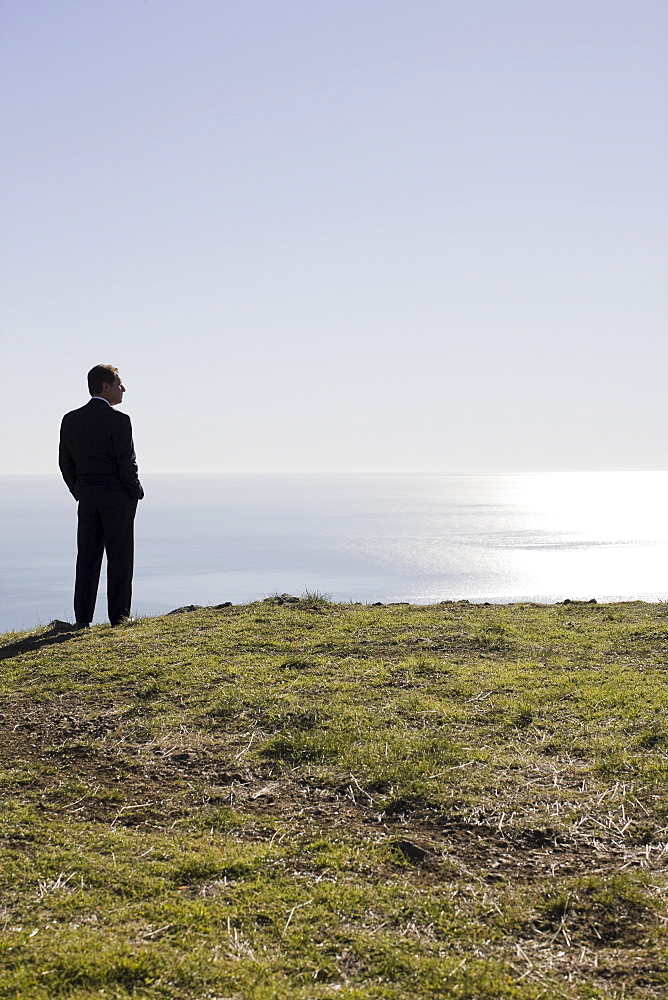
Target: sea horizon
[(207, 538)]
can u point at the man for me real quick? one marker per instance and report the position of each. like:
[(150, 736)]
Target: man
[(97, 460)]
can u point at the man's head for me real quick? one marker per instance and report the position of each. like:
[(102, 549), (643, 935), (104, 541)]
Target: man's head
[(104, 381)]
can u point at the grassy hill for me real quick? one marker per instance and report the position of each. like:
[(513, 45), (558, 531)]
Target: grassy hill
[(311, 800)]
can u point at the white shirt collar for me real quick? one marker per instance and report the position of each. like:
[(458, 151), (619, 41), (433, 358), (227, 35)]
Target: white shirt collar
[(102, 398)]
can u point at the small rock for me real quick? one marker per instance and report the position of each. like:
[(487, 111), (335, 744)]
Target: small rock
[(225, 604), (416, 855), (282, 599), (186, 607)]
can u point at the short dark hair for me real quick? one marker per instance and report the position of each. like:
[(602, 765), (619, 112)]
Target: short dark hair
[(98, 375)]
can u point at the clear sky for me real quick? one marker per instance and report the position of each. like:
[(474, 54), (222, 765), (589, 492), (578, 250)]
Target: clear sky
[(339, 234)]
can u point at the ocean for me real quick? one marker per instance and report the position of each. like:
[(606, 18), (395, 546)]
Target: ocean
[(205, 539)]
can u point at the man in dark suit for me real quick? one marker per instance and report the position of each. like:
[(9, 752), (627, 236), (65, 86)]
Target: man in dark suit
[(97, 460)]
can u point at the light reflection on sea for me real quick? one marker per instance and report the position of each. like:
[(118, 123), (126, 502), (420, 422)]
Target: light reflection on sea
[(208, 539)]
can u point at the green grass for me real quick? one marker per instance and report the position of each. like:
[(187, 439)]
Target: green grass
[(311, 800)]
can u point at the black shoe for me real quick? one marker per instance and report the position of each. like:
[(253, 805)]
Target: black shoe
[(58, 626)]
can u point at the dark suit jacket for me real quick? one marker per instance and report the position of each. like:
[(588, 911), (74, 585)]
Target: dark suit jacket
[(96, 450)]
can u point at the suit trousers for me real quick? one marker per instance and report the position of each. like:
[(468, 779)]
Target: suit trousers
[(106, 524)]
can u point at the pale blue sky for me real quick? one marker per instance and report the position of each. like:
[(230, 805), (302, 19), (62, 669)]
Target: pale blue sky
[(369, 235)]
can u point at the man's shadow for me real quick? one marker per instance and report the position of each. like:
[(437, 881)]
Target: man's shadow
[(57, 632)]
